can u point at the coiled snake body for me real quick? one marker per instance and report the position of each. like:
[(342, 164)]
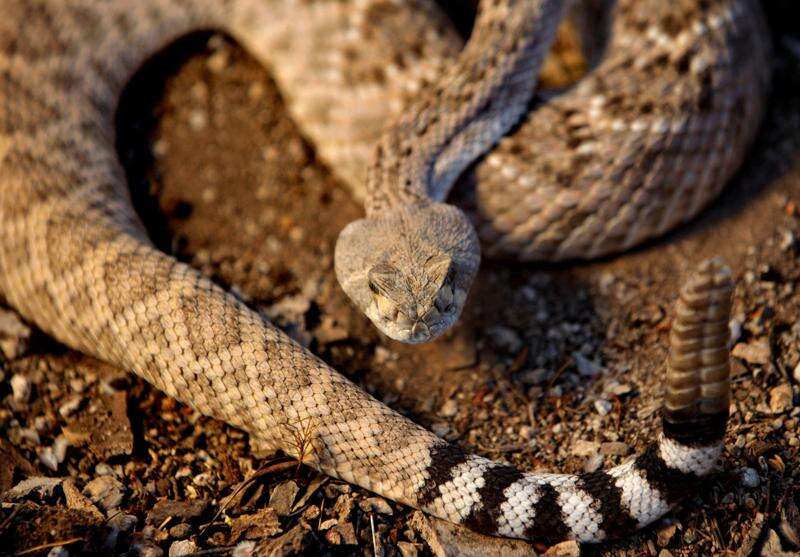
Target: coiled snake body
[(641, 144)]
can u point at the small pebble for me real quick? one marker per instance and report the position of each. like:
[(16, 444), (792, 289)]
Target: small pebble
[(181, 548), (615, 448), (48, 458), (180, 531), (585, 448), (408, 549), (787, 241), (20, 388), (440, 429), (147, 549), (780, 398), (564, 549), (586, 367), (505, 338), (376, 505), (593, 463), (750, 477), (198, 120), (69, 407), (106, 491), (603, 406), (218, 61), (449, 408), (244, 549), (14, 335), (753, 353), (534, 376), (619, 389)]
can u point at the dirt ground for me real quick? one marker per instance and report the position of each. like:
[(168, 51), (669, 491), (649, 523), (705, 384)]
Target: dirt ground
[(551, 367)]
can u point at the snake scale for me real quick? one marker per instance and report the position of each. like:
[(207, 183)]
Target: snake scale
[(638, 146)]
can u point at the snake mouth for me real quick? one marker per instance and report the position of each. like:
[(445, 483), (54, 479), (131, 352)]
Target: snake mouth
[(419, 332)]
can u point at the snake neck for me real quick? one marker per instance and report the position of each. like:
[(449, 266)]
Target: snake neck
[(474, 103)]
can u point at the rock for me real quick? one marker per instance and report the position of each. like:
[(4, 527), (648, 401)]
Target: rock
[(593, 463), (666, 533), (449, 408), (184, 511), (750, 478), (772, 546), (180, 531), (735, 327), (20, 388), (585, 448), (262, 524), (796, 373), (408, 549), (505, 338), (615, 448), (69, 407), (104, 426), (753, 353), (14, 335), (181, 548), (147, 549), (297, 541), (534, 376), (243, 549), (123, 522), (618, 389), (282, 497), (342, 534), (603, 406), (450, 540), (787, 241), (58, 551), (564, 549), (376, 505), (48, 458), (586, 367), (106, 492), (780, 398), (343, 507)]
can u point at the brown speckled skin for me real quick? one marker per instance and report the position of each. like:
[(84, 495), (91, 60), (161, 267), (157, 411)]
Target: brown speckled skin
[(75, 260)]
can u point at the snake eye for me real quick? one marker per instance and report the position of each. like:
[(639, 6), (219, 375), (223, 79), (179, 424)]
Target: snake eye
[(373, 287), (387, 309), (444, 299)]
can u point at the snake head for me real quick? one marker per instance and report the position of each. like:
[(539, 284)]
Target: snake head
[(409, 268)]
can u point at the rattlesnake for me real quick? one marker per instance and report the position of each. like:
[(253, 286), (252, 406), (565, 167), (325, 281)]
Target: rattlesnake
[(640, 145)]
